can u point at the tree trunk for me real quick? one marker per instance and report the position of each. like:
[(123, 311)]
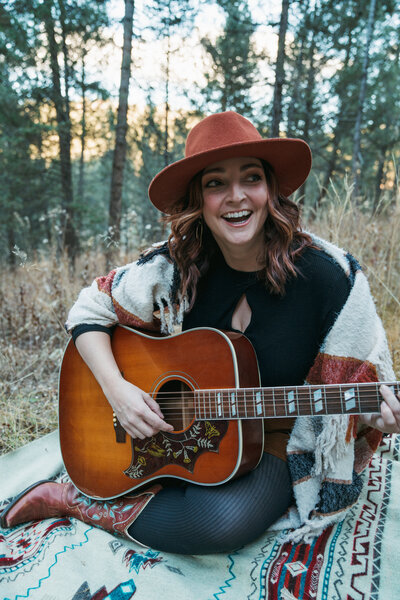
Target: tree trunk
[(309, 97), (298, 70), (115, 208), (338, 128), (81, 178), (361, 101), (70, 240), (65, 56), (11, 242), (379, 178), (280, 71), (166, 131)]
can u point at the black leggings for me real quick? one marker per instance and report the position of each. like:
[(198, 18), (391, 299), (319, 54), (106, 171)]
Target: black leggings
[(191, 519)]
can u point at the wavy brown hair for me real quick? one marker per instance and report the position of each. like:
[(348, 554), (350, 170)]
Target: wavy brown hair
[(192, 244)]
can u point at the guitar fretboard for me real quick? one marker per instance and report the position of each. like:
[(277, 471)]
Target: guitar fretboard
[(290, 401)]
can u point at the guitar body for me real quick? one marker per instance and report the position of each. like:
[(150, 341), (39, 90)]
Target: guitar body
[(104, 462)]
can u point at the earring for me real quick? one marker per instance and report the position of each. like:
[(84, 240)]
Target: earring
[(199, 231)]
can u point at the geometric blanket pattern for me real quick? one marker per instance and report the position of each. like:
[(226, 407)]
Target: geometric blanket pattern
[(64, 559)]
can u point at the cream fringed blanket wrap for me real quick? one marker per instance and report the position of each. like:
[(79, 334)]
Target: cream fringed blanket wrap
[(325, 454)]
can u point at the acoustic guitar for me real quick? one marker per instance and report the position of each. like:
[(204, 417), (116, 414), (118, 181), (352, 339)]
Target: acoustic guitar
[(207, 385)]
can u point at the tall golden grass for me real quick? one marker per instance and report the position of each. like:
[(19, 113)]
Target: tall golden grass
[(35, 298)]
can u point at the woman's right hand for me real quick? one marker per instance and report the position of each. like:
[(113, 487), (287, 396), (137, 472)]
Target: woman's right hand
[(138, 413)]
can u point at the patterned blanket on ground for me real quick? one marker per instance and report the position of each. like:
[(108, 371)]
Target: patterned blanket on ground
[(63, 559)]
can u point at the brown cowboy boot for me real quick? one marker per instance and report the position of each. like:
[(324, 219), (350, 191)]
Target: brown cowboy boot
[(47, 499)]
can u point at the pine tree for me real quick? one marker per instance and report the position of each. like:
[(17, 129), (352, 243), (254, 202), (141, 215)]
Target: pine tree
[(234, 62)]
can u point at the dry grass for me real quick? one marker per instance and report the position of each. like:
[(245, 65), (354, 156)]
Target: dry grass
[(375, 241), (35, 298)]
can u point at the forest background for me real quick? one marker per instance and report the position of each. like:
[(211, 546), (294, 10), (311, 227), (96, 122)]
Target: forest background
[(97, 96)]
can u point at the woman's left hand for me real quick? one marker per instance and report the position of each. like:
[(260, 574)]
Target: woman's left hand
[(388, 420)]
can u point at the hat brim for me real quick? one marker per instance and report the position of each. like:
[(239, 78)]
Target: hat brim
[(290, 159)]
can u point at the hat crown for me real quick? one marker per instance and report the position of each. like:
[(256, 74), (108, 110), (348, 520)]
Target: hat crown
[(218, 130)]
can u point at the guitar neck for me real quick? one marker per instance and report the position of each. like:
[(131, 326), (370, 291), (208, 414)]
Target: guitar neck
[(289, 401)]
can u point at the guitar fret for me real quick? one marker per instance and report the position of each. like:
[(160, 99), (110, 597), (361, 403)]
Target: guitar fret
[(196, 400), (317, 404), (259, 403), (198, 405), (290, 404), (359, 398), (341, 399), (233, 404), (350, 399), (220, 404)]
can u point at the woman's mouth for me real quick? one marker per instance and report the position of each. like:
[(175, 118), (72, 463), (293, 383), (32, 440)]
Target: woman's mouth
[(238, 217)]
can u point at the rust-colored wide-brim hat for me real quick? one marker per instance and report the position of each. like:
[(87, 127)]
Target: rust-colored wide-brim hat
[(229, 135)]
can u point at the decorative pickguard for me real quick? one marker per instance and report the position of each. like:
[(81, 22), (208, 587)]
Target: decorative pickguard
[(151, 454)]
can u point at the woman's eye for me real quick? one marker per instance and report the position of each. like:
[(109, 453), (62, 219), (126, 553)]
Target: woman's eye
[(212, 183), (254, 177)]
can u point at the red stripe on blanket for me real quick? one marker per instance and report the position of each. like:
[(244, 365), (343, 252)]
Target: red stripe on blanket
[(367, 443), (104, 283), (340, 369), (127, 318), (296, 569)]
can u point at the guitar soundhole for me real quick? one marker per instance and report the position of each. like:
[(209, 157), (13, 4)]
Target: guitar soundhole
[(176, 402)]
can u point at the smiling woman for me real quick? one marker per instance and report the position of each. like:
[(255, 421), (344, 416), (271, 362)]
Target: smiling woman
[(236, 260), (235, 199)]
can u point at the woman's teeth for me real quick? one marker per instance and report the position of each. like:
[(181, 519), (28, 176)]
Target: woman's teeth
[(237, 217)]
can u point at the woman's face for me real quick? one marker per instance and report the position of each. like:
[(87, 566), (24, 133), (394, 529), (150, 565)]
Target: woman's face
[(235, 197)]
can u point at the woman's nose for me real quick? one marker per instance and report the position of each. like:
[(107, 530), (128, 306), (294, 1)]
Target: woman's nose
[(236, 192)]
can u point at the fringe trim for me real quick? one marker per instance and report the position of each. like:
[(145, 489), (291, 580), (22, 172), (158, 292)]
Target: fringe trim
[(183, 305), (331, 444), (170, 314), (312, 528)]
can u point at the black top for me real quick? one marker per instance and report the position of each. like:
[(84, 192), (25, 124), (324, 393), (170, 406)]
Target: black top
[(287, 331)]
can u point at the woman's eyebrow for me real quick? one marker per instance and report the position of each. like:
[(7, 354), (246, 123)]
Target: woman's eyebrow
[(213, 170), (222, 170), (250, 165)]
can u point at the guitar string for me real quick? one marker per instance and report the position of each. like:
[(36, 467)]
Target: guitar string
[(245, 397), (333, 405), (367, 396), (246, 409), (200, 395), (302, 389)]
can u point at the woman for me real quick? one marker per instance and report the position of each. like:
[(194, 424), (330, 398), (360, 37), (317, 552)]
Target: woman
[(236, 259)]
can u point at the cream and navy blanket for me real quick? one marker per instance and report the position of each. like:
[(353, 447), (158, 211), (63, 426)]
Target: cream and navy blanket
[(325, 454)]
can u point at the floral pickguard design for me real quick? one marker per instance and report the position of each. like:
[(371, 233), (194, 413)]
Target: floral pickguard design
[(183, 449)]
